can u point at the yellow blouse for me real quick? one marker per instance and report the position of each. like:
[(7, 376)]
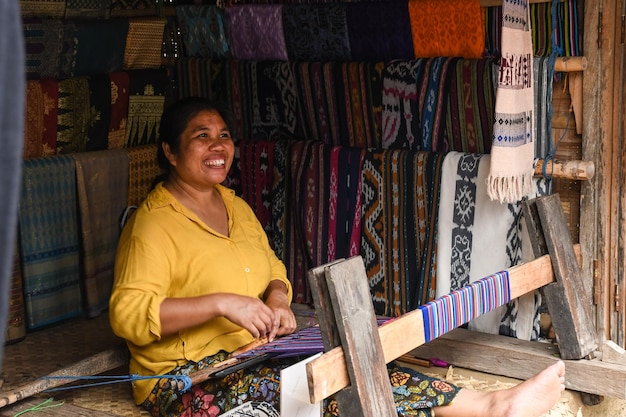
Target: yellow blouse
[(164, 251)]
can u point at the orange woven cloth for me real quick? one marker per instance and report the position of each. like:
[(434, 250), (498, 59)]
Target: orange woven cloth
[(447, 28)]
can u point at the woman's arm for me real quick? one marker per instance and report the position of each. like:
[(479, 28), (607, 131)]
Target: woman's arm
[(277, 298)]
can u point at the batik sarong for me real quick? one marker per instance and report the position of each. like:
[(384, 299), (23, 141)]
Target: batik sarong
[(102, 186), (49, 240)]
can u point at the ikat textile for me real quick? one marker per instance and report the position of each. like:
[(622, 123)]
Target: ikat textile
[(49, 240), (372, 37), (513, 148), (316, 32), (450, 28), (256, 32), (203, 30), (102, 186)]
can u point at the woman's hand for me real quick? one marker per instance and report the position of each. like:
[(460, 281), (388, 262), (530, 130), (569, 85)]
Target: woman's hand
[(277, 300), (251, 314)]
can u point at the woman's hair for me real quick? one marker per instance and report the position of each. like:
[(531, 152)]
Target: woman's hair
[(174, 121)]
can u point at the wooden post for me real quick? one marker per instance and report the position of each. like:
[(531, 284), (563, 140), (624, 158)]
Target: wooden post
[(343, 288)]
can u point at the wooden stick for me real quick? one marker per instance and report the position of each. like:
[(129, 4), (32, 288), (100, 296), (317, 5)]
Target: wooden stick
[(328, 374), (494, 3), (93, 365), (570, 170)]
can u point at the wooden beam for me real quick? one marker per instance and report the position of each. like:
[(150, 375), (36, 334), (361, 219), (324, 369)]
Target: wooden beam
[(328, 374), (521, 359), (569, 170)]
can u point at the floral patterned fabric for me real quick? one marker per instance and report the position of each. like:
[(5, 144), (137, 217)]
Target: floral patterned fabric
[(415, 394)]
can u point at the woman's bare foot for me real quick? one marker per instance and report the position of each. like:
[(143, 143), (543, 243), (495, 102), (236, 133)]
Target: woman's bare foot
[(530, 398)]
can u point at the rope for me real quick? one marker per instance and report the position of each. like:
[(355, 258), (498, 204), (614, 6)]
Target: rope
[(113, 379), (39, 407)]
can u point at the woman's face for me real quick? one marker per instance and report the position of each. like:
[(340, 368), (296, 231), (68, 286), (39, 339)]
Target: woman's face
[(206, 151)]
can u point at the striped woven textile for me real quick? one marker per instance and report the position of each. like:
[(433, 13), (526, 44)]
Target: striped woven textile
[(316, 32), (144, 43), (195, 77), (450, 28), (372, 37), (143, 170), (318, 114), (400, 105), (40, 127), (203, 29), (467, 303), (49, 240), (73, 115), (361, 83), (256, 32), (102, 186), (119, 109)]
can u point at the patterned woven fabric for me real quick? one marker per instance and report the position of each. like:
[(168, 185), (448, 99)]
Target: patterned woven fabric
[(372, 37), (477, 236), (512, 150), (16, 319), (43, 8), (256, 32), (280, 198), (195, 76), (318, 114), (467, 303), (49, 240), (132, 8), (471, 102), (119, 109), (361, 83), (67, 49), (400, 105), (203, 30), (100, 106), (41, 41), (450, 28), (272, 99), (543, 79), (74, 116), (316, 32), (142, 171), (146, 100), (102, 186), (144, 43), (91, 9), (100, 46), (40, 128)]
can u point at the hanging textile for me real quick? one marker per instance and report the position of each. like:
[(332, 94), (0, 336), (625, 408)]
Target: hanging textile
[(41, 41), (400, 124), (100, 101), (477, 235), (49, 240), (203, 29), (452, 28), (543, 78), (73, 115), (88, 9), (16, 319), (316, 32), (143, 170), (40, 127), (146, 100), (144, 43), (119, 81), (256, 32), (372, 37), (99, 45), (132, 8), (471, 106), (280, 199), (43, 8), (102, 187), (512, 150), (67, 49)]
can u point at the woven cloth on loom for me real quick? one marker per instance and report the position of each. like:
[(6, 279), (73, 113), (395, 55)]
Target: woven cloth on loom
[(400, 105), (318, 117), (372, 37), (256, 32), (450, 28), (272, 100), (49, 240), (142, 171), (43, 8), (41, 41), (512, 150), (99, 46), (119, 109), (477, 236), (146, 100), (203, 30), (73, 115), (144, 43), (316, 32), (400, 206), (102, 186), (40, 127), (361, 91), (467, 303)]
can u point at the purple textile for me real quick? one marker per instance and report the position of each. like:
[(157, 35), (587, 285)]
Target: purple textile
[(256, 32)]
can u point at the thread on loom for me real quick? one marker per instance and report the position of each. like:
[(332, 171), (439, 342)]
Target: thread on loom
[(46, 404), (113, 379)]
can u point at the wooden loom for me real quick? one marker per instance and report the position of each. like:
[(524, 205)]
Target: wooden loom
[(357, 350)]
